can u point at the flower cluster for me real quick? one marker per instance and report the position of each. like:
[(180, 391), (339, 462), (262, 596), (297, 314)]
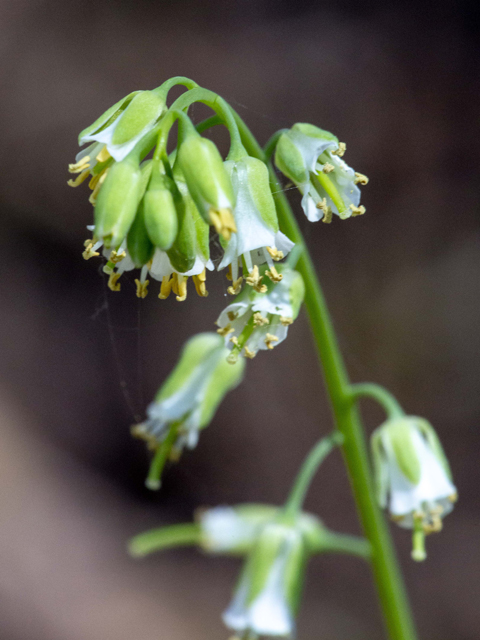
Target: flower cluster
[(276, 550)]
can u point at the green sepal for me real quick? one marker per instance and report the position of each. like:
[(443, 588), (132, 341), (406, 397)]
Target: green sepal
[(108, 117), (294, 574), (117, 202), (380, 468), (397, 435), (206, 178), (160, 212), (226, 377), (262, 557), (193, 353), (142, 112), (312, 131), (202, 229), (182, 252), (433, 440), (290, 161), (177, 535), (297, 293), (139, 245)]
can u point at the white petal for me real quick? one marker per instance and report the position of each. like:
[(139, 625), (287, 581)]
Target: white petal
[(309, 206), (161, 266), (224, 529), (311, 148), (239, 308)]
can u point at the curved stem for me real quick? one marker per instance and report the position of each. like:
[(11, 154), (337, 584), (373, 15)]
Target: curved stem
[(305, 476), (388, 579), (208, 123), (176, 80), (176, 535), (344, 543), (382, 396)]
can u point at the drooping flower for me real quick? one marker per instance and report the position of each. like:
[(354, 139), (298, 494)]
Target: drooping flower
[(189, 398), (312, 159), (257, 239), (260, 315), (413, 477)]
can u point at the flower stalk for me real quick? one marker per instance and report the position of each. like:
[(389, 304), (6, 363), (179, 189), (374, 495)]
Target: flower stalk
[(388, 579)]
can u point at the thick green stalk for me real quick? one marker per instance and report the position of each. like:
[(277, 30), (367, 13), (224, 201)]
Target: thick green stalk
[(388, 579)]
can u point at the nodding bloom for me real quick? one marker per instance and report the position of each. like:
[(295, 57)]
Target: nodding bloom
[(190, 396), (257, 239), (312, 159), (413, 477), (260, 315)]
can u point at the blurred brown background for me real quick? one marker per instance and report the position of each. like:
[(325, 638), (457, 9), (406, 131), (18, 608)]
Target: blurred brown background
[(400, 84)]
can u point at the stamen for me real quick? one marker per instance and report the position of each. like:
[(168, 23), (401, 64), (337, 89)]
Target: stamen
[(453, 497), (235, 287), (259, 320), (254, 279), (273, 275), (360, 178), (232, 315), (101, 178), (234, 340), (113, 283), (226, 330), (270, 339), (249, 354), (229, 272), (275, 253), (165, 287), (328, 168), (142, 288), (81, 165), (223, 221), (79, 179), (285, 321), (140, 431), (327, 211), (103, 155), (342, 147), (199, 282), (90, 252), (180, 286), (357, 211)]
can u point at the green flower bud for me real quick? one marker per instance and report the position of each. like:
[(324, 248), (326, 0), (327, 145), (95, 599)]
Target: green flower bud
[(117, 202), (140, 247), (160, 212), (208, 182), (182, 253)]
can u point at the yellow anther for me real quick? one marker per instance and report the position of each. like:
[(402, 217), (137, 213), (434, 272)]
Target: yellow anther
[(229, 272), (254, 279), (175, 454), (79, 179), (115, 257), (285, 321), (235, 287), (249, 354), (259, 320), (89, 252), (226, 330), (327, 218), (142, 288), (223, 221), (98, 183), (234, 340), (342, 147), (81, 165), (357, 211), (199, 282), (165, 287), (113, 283), (453, 497), (328, 168), (179, 286), (103, 155), (273, 275), (270, 339), (139, 431), (232, 315), (275, 253), (360, 178)]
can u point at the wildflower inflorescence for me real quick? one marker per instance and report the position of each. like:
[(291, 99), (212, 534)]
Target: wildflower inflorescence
[(158, 212)]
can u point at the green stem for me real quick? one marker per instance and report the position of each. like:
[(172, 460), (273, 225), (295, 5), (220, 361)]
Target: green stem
[(176, 535), (269, 148), (388, 579), (305, 476), (381, 395), (343, 543)]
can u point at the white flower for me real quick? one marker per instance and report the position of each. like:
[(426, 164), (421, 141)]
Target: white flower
[(259, 317), (257, 238), (311, 158), (413, 476), (188, 399), (265, 600)]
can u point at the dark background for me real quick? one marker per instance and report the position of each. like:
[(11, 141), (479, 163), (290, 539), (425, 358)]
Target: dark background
[(399, 82)]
